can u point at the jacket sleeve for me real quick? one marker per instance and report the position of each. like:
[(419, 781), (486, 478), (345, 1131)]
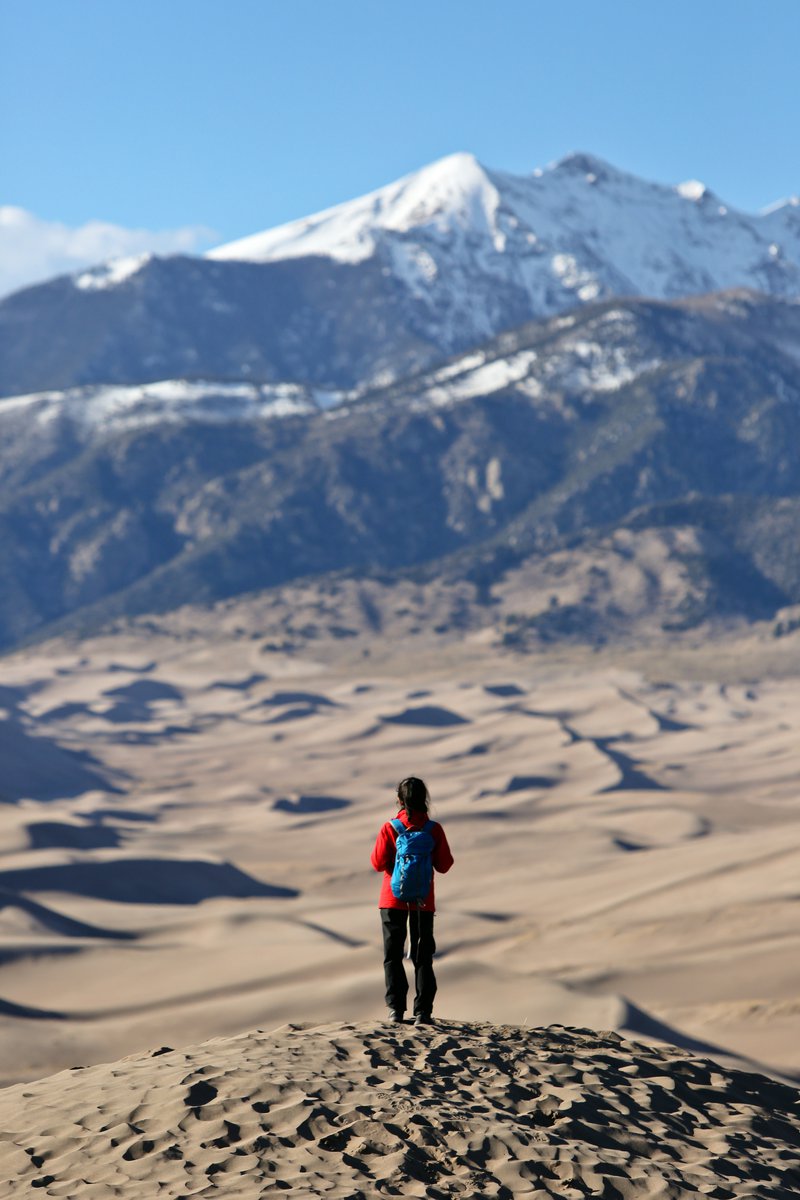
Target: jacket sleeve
[(382, 857), (442, 858)]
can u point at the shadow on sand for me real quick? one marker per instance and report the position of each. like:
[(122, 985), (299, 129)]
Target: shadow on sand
[(429, 715), (637, 1021), (37, 768), (59, 835), (310, 805), (143, 881), (56, 922)]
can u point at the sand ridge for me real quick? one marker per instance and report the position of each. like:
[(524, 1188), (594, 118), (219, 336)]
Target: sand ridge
[(353, 1111)]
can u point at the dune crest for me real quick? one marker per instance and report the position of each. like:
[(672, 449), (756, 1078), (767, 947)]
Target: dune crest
[(365, 1110)]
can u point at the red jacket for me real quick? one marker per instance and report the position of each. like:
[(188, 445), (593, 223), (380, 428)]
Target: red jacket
[(382, 858)]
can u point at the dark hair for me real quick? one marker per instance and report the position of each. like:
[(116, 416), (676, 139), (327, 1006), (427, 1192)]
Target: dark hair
[(413, 795)]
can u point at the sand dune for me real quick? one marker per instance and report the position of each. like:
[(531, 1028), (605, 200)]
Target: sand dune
[(626, 844), (355, 1111)]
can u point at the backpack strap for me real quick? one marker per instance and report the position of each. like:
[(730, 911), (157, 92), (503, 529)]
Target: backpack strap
[(398, 826)]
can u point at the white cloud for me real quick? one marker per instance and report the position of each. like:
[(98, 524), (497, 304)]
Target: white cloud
[(32, 249)]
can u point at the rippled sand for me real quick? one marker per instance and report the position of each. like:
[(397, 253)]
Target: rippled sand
[(352, 1111)]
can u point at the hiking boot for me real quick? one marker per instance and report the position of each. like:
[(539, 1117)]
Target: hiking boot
[(423, 1019), (395, 1016)]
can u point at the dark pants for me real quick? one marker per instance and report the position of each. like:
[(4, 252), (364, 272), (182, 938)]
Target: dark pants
[(423, 948)]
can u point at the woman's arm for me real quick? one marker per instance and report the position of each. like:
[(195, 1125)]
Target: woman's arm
[(382, 857), (442, 858)]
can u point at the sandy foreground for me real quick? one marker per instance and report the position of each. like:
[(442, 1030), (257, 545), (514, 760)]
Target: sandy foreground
[(353, 1111), (187, 822)]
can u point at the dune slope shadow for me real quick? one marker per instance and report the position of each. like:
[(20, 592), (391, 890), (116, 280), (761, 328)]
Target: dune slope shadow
[(237, 685), (430, 715), (665, 723), (144, 691), (132, 701), (9, 1009), (143, 881), (631, 777), (638, 1021), (521, 783), (120, 814), (64, 712), (478, 749), (668, 724), (60, 835), (305, 805), (11, 697), (628, 846), (294, 714), (56, 922), (37, 768), (293, 706), (311, 698)]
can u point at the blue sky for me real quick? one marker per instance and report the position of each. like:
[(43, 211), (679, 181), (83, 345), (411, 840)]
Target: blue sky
[(234, 116)]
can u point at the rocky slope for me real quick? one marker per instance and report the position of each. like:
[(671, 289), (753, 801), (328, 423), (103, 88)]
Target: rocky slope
[(632, 415)]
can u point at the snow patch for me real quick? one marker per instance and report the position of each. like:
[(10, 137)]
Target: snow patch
[(575, 277), (494, 486), (111, 273), (99, 410), (594, 367), (467, 362), (617, 316), (414, 266), (483, 380), (691, 189)]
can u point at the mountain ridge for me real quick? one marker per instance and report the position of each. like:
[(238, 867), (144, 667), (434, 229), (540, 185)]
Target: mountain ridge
[(549, 437), (460, 186), (391, 283)]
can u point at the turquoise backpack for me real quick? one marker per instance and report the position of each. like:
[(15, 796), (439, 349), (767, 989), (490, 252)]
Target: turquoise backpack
[(413, 864)]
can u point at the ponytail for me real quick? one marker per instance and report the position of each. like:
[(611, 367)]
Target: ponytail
[(413, 795)]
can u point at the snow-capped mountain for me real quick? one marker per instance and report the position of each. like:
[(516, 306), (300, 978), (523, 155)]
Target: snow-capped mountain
[(394, 282), (178, 429), (577, 231)]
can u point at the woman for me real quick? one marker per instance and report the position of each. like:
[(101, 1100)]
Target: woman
[(413, 797)]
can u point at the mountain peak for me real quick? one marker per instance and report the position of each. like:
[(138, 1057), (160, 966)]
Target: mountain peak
[(578, 162), (459, 163), (452, 191), (786, 205)]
